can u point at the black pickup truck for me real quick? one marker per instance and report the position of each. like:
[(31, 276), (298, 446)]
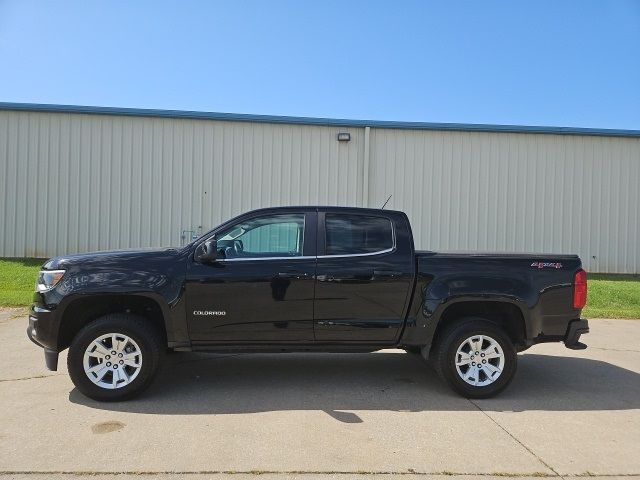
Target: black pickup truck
[(316, 279)]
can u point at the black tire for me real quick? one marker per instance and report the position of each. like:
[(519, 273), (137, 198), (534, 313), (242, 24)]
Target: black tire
[(444, 357), (141, 330)]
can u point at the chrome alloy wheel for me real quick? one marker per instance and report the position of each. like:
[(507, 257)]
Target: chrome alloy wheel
[(112, 361), (479, 360)]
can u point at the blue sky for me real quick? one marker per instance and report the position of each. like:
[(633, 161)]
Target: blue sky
[(565, 63)]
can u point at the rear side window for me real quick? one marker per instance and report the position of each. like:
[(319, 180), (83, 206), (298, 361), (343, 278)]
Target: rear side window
[(357, 234)]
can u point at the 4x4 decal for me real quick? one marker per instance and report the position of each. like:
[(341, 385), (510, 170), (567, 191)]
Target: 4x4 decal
[(546, 265)]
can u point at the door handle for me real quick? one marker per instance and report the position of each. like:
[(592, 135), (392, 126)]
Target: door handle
[(294, 275), (326, 278), (386, 273)]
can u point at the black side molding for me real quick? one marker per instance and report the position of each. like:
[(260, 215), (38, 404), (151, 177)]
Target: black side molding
[(574, 330)]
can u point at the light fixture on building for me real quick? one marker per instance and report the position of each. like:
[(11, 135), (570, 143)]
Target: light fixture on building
[(344, 137)]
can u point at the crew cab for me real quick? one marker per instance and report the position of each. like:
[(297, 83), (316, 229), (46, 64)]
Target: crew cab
[(310, 279)]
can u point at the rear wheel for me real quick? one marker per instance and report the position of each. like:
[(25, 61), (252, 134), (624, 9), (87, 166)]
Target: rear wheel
[(115, 357), (476, 358)]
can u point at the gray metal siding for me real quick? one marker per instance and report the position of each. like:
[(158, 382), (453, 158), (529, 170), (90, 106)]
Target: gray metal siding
[(85, 182), (80, 182), (514, 192)]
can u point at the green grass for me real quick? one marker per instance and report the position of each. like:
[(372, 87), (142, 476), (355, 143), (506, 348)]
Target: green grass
[(17, 280), (610, 296)]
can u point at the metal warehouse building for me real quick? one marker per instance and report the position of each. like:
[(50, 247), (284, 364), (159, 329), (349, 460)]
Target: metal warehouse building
[(85, 178)]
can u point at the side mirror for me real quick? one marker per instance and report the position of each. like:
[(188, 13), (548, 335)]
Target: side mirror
[(207, 252)]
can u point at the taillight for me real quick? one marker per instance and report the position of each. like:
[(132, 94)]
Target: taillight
[(580, 289)]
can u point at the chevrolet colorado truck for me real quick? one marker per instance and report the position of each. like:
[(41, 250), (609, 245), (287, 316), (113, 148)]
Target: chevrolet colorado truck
[(304, 279)]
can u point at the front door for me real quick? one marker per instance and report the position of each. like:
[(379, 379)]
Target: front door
[(260, 287)]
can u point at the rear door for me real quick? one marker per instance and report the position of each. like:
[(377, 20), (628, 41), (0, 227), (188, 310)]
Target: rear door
[(364, 276)]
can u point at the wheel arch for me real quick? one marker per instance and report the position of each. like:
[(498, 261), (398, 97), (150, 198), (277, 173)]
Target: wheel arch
[(506, 315), (83, 309)]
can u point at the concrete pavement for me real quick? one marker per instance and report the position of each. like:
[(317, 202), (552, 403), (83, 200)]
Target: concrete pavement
[(567, 413)]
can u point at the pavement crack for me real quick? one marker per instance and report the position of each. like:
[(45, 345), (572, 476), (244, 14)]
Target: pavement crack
[(615, 349), (516, 439), (35, 377)]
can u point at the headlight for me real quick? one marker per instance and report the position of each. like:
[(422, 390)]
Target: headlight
[(47, 279)]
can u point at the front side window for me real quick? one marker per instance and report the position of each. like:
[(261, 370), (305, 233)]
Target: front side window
[(263, 237), (357, 234)]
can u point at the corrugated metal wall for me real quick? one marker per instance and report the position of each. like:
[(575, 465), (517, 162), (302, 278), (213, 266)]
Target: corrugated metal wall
[(515, 192), (87, 182), (79, 182)]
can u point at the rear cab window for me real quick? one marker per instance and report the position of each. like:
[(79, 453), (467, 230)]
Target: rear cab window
[(348, 234)]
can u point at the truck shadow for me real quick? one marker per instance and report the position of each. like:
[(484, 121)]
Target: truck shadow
[(193, 383)]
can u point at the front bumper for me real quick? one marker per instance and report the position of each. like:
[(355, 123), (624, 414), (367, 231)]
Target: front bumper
[(42, 331), (574, 330)]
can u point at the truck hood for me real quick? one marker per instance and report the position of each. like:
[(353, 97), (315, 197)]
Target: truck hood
[(114, 257)]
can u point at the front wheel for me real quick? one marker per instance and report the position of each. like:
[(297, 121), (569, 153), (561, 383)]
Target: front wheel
[(115, 357), (476, 358)]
